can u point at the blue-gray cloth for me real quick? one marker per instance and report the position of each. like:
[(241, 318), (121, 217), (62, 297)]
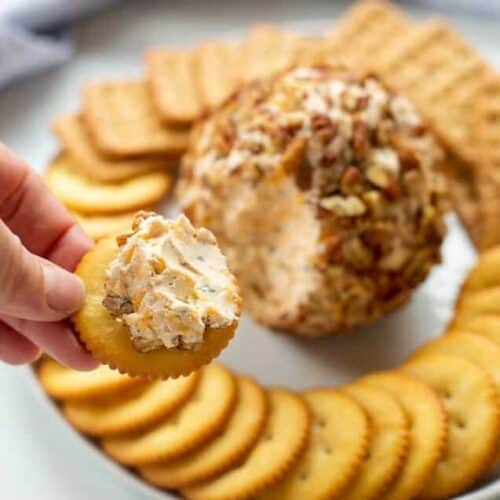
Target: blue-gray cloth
[(34, 34)]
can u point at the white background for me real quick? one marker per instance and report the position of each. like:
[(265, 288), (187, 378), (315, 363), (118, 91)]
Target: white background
[(44, 460)]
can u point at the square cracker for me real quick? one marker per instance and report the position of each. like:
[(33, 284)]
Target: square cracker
[(368, 30), (267, 49), (122, 121), (218, 71), (75, 140), (485, 126), (439, 71), (172, 77)]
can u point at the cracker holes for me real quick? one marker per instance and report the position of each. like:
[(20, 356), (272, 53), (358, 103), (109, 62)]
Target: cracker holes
[(304, 475), (327, 450), (458, 422), (321, 422), (268, 436), (445, 394)]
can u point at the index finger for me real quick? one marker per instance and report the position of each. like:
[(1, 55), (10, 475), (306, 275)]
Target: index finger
[(41, 221)]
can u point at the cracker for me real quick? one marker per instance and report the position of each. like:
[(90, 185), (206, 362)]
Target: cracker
[(446, 98), (83, 195), (126, 413), (469, 396), (311, 50), (75, 141), (267, 49), (363, 33), (172, 77), (388, 445), (485, 131), (474, 348), (239, 435), (104, 226), (218, 71), (198, 420), (484, 325), (478, 303), (64, 383), (109, 340), (339, 438), (486, 272), (281, 444), (428, 430), (123, 121)]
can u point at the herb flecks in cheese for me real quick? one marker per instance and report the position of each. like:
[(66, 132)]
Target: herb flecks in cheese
[(170, 282)]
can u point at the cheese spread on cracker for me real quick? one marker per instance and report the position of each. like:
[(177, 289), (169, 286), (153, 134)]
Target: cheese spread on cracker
[(170, 282)]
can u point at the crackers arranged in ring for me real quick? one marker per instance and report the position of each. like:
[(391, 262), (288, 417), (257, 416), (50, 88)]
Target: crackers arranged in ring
[(64, 383), (338, 441), (172, 76), (133, 412), (198, 420), (427, 433), (388, 444), (475, 348), (77, 144), (162, 303), (241, 432), (123, 121), (81, 194), (469, 396), (485, 325), (280, 445)]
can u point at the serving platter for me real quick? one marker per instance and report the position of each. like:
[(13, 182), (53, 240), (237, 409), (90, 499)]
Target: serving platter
[(110, 47)]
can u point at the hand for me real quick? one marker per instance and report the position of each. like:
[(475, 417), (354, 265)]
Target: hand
[(40, 243)]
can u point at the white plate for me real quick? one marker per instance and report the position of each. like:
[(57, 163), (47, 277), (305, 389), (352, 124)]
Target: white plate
[(110, 46)]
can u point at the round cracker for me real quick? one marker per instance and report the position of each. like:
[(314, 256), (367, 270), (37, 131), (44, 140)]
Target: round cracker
[(388, 445), (480, 302), (109, 340), (427, 420), (485, 325), (131, 413), (238, 437), (280, 445), (104, 226), (338, 441), (479, 350), (198, 420), (486, 272), (82, 194), (468, 393), (61, 382)]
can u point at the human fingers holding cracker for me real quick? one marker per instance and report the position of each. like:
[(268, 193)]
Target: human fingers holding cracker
[(40, 244)]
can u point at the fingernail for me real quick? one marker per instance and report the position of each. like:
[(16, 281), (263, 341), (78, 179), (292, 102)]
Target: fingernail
[(64, 291)]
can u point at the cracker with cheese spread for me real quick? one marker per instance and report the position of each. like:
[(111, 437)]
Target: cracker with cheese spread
[(161, 300)]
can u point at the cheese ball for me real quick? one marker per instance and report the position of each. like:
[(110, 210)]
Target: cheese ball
[(324, 189)]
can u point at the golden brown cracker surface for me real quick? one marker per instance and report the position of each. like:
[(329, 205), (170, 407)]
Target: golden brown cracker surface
[(281, 444), (427, 432), (122, 120), (109, 340), (220, 454), (339, 439), (199, 419), (131, 413), (76, 142), (173, 80), (80, 193), (470, 398), (388, 446)]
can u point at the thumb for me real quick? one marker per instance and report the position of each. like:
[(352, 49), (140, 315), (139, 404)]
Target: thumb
[(34, 288)]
